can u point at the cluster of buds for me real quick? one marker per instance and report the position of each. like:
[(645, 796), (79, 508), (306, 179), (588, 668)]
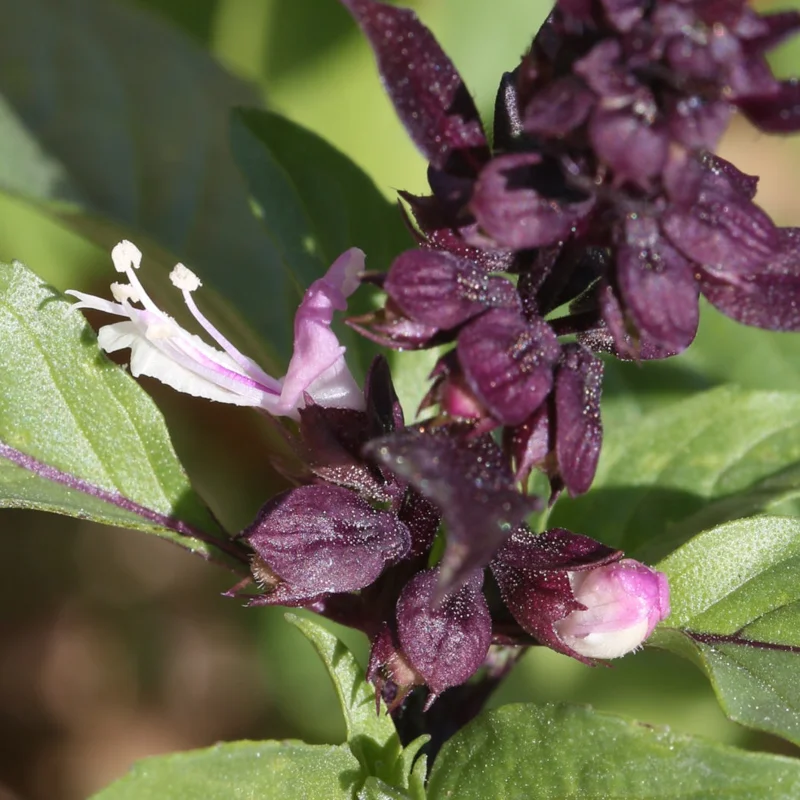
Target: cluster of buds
[(353, 539), (600, 195)]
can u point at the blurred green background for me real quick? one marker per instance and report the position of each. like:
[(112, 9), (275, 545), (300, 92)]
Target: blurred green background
[(114, 645)]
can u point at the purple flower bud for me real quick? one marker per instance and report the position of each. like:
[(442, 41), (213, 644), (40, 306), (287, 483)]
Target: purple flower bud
[(444, 642), (317, 540), (623, 603)]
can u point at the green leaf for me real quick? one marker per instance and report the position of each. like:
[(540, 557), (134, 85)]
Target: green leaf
[(736, 613), (327, 203), (243, 771), (571, 753), (315, 203), (376, 789), (371, 735), (721, 455), (78, 436), (116, 141)]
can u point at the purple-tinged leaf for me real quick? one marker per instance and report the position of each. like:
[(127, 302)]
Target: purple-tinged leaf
[(579, 430), (42, 487), (723, 230), (383, 409), (469, 481), (443, 291), (633, 150), (773, 29), (389, 327), (775, 113), (508, 363), (507, 118), (657, 285), (332, 439), (428, 94), (530, 443), (613, 336), (559, 108), (521, 202), (767, 298), (324, 539), (445, 639), (532, 573)]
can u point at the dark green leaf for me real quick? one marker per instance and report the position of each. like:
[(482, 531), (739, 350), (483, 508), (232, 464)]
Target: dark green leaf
[(334, 203), (78, 435), (196, 18), (571, 753), (736, 613), (376, 789), (243, 771), (117, 124), (720, 455), (315, 202), (371, 735), (355, 694)]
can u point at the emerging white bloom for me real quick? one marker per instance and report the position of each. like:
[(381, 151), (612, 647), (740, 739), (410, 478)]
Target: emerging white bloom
[(162, 349), (624, 603)]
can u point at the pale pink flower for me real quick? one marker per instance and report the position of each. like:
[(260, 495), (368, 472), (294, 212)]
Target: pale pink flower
[(624, 603), (162, 349)]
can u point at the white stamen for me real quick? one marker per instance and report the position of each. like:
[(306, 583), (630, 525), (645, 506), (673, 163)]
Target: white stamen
[(184, 279), (126, 255), (124, 292), (161, 349)]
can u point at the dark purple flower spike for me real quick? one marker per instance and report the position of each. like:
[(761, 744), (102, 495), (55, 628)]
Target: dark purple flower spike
[(602, 137)]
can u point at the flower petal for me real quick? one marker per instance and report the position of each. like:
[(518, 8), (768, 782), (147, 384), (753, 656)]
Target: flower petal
[(532, 571), (767, 298), (778, 112), (317, 366), (215, 378)]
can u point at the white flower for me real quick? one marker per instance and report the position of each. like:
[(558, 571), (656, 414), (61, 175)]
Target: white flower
[(162, 349)]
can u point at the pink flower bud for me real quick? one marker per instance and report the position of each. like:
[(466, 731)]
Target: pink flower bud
[(624, 603)]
